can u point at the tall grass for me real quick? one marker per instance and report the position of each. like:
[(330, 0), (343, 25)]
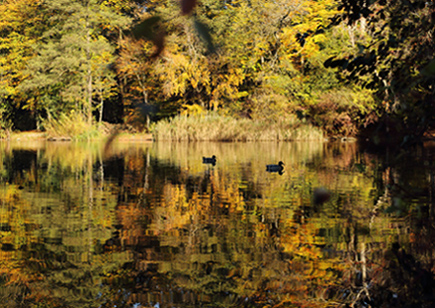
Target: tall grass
[(71, 126), (5, 124), (215, 127)]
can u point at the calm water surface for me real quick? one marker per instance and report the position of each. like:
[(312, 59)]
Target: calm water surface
[(150, 225)]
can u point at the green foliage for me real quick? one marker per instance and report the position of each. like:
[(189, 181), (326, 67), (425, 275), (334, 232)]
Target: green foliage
[(204, 32), (6, 124), (395, 60), (259, 69), (73, 125), (73, 55), (254, 60), (341, 112)]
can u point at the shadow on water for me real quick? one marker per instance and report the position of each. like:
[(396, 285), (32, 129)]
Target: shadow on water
[(151, 225)]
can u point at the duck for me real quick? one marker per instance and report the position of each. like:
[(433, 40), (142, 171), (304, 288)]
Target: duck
[(209, 160), (275, 168)]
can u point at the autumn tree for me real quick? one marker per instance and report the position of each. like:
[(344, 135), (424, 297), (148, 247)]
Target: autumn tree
[(20, 26), (72, 56), (225, 56), (256, 59), (396, 62), (140, 88)]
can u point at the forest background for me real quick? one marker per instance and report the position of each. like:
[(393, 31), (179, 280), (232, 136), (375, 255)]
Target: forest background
[(280, 70)]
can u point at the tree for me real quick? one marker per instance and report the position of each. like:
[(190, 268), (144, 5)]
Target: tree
[(20, 26), (73, 55), (135, 68), (397, 62), (244, 60)]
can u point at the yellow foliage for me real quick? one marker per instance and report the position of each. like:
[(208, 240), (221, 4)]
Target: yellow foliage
[(297, 40), (15, 43), (194, 109)]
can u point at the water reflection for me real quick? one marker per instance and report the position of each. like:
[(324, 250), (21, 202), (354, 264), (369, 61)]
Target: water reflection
[(152, 225)]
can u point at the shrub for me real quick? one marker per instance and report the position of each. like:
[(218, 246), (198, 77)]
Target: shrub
[(341, 113), (72, 126)]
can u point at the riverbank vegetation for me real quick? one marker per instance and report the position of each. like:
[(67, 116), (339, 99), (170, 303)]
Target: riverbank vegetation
[(220, 128), (335, 65)]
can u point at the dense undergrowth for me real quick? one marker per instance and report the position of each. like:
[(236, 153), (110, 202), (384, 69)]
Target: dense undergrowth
[(206, 127), (72, 126)]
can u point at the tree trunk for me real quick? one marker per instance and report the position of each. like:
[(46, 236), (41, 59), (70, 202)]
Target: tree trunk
[(89, 75), (100, 120), (89, 90)]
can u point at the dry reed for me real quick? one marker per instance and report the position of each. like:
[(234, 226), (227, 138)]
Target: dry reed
[(215, 127)]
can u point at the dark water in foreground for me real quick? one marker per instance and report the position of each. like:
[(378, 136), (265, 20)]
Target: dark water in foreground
[(150, 225)]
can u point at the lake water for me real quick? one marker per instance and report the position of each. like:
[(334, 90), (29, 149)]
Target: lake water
[(150, 225)]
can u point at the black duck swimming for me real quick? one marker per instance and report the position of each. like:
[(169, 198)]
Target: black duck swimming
[(209, 160), (275, 168)]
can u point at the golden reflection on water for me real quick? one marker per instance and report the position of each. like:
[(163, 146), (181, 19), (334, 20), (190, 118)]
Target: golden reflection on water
[(149, 223)]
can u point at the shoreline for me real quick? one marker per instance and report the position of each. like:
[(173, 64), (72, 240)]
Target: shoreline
[(42, 136)]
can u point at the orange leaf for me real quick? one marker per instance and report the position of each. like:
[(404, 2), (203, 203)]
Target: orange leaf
[(187, 6), (159, 42)]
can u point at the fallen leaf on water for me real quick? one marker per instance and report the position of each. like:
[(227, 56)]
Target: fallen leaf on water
[(187, 6)]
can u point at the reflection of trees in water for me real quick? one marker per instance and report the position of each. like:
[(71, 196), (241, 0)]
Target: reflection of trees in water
[(213, 243), (16, 163), (53, 238), (399, 272), (189, 234), (379, 276)]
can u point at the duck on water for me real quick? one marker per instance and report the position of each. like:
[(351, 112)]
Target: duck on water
[(276, 168), (209, 160)]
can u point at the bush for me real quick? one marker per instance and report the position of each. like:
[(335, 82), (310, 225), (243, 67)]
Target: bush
[(71, 126), (341, 113)]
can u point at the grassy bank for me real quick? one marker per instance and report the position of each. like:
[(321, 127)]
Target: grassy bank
[(74, 127), (215, 127), (207, 127)]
